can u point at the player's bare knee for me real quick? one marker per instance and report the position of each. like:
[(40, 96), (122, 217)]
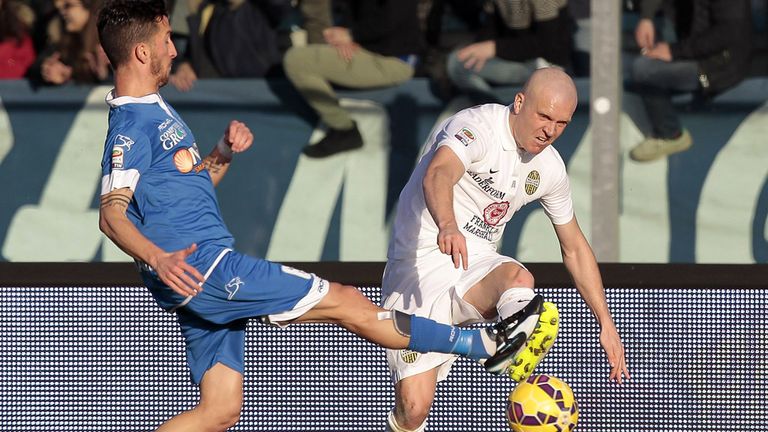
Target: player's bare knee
[(518, 277), (357, 306), (413, 412), (221, 399), (221, 416)]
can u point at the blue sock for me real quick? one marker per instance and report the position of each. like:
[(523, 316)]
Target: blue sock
[(430, 336)]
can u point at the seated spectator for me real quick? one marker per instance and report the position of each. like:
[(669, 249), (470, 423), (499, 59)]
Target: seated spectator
[(447, 24), (73, 52), (17, 52), (317, 16), (711, 54), (375, 46), (519, 37), (231, 39)]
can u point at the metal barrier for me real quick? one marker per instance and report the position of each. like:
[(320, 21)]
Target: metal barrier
[(83, 347)]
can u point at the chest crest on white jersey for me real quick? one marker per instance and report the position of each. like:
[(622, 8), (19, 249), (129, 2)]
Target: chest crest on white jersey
[(532, 182)]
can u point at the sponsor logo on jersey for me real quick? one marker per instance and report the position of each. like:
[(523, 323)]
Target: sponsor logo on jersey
[(495, 212), (173, 136), (233, 286), (480, 228), (188, 158), (164, 124), (408, 356), (466, 136), (123, 142), (117, 158), (532, 182), (486, 184)]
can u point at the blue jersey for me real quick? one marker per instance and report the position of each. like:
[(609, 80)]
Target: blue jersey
[(150, 150)]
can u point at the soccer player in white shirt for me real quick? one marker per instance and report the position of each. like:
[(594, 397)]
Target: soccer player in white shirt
[(478, 168)]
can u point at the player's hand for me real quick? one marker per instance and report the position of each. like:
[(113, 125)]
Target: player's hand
[(184, 78), (660, 51), (614, 350), (175, 272), (238, 137), (474, 56), (452, 242), (645, 34)]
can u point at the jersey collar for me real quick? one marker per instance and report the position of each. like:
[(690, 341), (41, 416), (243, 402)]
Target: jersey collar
[(508, 144), (153, 98), (122, 100)]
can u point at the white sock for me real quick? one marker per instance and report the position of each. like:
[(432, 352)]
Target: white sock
[(513, 300), (392, 425)]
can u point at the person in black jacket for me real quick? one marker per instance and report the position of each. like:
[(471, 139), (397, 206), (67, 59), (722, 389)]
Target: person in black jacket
[(375, 46), (231, 39), (712, 53), (520, 36)]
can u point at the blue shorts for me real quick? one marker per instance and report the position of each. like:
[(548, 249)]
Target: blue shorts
[(240, 287)]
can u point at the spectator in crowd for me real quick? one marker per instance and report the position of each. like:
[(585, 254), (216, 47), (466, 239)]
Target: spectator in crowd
[(519, 37), (232, 39), (73, 52), (17, 52), (711, 54), (447, 24), (375, 46), (317, 15)]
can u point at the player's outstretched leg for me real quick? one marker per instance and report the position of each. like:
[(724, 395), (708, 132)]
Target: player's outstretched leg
[(524, 339)]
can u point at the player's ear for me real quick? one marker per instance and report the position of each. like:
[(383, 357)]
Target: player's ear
[(141, 51), (518, 103)]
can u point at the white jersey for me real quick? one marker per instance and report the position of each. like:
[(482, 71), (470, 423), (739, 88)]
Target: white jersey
[(499, 179)]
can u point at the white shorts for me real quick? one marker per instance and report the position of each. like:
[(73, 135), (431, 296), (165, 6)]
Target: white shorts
[(431, 287)]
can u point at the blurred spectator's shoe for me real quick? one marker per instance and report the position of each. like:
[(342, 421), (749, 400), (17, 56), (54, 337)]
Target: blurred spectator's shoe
[(655, 148), (335, 141)]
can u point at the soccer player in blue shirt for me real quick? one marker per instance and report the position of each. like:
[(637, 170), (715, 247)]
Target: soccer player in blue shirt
[(159, 206)]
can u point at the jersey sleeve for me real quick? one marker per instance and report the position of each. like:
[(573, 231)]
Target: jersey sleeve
[(558, 203), (464, 137), (127, 155)]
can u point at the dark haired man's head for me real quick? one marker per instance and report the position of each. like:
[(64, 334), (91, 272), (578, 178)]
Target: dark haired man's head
[(124, 23)]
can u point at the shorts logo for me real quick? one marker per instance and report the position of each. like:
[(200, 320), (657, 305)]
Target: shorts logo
[(408, 356), (466, 136), (233, 286), (532, 182), (495, 212)]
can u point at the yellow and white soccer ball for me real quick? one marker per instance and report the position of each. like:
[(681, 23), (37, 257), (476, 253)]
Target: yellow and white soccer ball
[(542, 403)]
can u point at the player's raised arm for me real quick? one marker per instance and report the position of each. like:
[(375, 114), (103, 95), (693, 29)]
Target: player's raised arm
[(237, 138), (170, 267)]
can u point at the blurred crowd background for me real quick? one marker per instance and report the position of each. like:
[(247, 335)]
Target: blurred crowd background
[(463, 47), (54, 42)]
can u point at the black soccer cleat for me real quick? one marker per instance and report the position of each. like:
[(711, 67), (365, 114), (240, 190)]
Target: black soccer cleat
[(511, 335)]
